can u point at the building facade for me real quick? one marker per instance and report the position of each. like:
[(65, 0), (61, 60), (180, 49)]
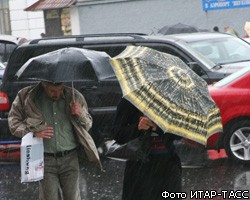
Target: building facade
[(148, 16), (25, 24), (66, 17)]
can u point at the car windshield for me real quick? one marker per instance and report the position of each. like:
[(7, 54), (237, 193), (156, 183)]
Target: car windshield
[(203, 59), (232, 77), (223, 50)]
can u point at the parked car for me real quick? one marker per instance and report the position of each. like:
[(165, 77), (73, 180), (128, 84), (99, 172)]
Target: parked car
[(103, 96), (7, 44), (228, 54), (232, 95)]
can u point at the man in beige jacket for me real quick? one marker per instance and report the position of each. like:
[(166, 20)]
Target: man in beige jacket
[(49, 111)]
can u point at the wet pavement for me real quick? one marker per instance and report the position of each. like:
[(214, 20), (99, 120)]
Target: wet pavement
[(205, 174)]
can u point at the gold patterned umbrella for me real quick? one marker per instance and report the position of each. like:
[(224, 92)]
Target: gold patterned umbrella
[(166, 90)]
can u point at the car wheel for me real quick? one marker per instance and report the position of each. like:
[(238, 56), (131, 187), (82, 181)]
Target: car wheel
[(237, 141)]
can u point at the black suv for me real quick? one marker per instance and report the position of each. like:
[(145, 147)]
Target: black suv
[(103, 96)]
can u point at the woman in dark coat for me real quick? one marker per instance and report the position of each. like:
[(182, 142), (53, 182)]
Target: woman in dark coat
[(147, 180)]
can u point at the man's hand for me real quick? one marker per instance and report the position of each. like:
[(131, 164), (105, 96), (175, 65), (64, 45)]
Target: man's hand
[(46, 133), (76, 109), (145, 123)]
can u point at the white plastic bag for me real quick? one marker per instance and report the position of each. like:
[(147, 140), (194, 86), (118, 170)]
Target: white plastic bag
[(32, 158)]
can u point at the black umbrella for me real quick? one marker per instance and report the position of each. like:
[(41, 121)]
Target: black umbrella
[(178, 28), (67, 64)]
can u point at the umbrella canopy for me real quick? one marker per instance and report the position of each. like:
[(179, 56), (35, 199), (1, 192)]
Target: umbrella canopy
[(166, 90), (66, 64), (178, 28)]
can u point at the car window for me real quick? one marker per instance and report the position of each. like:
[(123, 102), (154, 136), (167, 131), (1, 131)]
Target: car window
[(117, 49), (5, 51), (88, 73), (193, 65), (211, 52), (223, 50), (169, 51)]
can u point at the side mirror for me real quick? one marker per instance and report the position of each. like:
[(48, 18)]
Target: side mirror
[(196, 68)]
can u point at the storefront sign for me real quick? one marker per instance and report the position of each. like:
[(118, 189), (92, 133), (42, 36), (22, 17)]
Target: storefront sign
[(224, 4)]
